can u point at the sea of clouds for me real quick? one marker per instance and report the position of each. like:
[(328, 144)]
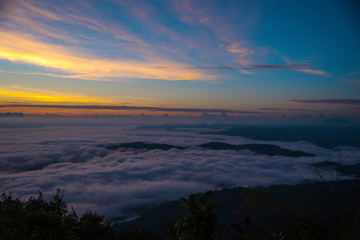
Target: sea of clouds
[(119, 183)]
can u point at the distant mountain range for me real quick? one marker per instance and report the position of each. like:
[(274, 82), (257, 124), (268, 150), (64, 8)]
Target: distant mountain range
[(324, 135), (330, 133), (145, 146), (264, 149)]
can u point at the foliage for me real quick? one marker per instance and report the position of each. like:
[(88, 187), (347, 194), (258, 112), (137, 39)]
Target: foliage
[(135, 235), (40, 219), (262, 213), (244, 232), (198, 223), (307, 228), (93, 226), (261, 208)]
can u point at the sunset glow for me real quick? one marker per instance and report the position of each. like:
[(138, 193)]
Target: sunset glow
[(224, 55), (126, 111)]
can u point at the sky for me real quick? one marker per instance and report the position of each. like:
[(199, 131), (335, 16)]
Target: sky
[(180, 57)]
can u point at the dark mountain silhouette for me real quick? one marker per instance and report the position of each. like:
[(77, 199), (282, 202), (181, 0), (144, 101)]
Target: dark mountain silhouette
[(321, 134), (145, 146), (324, 164), (9, 114), (178, 127), (265, 149), (328, 136), (351, 170)]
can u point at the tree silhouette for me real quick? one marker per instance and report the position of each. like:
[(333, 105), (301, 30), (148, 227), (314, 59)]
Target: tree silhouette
[(93, 226), (198, 223), (40, 219), (328, 175)]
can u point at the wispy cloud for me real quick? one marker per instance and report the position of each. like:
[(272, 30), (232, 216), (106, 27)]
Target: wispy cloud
[(23, 48), (313, 71), (237, 48), (229, 29), (53, 27), (44, 17), (292, 66), (189, 13), (327, 101), (143, 108), (307, 68), (59, 47)]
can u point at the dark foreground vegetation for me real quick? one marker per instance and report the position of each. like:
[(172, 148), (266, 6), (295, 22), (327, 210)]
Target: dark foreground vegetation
[(305, 211), (38, 218), (299, 212)]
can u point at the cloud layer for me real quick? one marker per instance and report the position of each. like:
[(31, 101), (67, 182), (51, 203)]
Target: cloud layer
[(119, 183)]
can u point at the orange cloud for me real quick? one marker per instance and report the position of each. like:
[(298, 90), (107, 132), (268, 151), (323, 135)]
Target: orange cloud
[(23, 48), (40, 19)]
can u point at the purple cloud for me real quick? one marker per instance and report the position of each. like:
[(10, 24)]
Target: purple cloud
[(256, 66), (291, 66), (328, 101)]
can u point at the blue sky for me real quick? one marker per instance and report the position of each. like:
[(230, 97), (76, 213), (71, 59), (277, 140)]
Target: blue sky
[(239, 57)]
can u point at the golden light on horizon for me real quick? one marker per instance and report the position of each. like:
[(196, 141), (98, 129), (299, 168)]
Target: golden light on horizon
[(28, 96)]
